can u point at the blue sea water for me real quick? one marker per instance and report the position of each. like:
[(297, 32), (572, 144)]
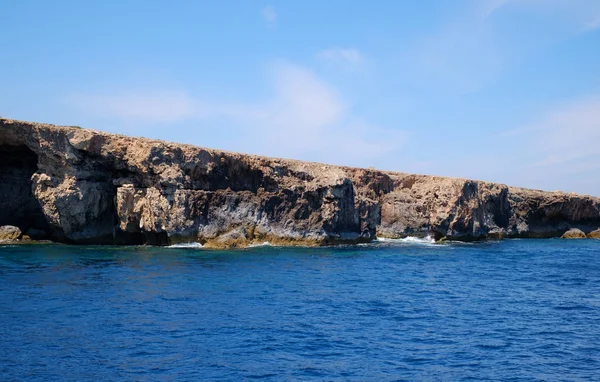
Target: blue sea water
[(514, 310)]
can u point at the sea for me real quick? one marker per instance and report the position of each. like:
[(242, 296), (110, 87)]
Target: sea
[(393, 310)]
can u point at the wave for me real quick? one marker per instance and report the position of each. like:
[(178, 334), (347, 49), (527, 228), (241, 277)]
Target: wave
[(186, 245), (427, 240), (265, 244)]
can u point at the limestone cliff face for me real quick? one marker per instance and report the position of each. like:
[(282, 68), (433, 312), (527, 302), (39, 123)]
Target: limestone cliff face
[(84, 186)]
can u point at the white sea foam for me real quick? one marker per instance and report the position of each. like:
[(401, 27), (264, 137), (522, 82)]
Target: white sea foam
[(265, 244), (186, 245), (427, 240)]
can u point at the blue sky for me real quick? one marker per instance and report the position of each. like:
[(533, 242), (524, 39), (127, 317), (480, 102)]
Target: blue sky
[(499, 90)]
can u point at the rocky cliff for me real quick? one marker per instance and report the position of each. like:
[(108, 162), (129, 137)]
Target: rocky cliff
[(83, 186)]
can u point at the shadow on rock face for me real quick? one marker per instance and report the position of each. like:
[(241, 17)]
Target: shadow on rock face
[(18, 206)]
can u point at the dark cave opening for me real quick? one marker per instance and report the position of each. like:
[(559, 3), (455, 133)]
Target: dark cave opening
[(18, 206)]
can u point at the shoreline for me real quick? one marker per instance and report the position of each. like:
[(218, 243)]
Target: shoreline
[(379, 240)]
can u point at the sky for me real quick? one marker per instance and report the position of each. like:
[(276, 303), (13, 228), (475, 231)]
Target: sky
[(499, 90)]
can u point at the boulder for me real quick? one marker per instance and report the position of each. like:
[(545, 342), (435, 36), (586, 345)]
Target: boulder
[(235, 238), (574, 233), (594, 234), (9, 233)]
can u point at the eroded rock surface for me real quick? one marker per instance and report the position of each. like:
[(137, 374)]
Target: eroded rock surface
[(85, 186), (594, 234), (574, 233)]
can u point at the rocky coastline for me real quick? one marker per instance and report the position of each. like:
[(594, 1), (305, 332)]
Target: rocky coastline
[(81, 186)]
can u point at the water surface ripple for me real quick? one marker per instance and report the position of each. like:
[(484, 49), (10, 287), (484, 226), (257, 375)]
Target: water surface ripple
[(516, 310)]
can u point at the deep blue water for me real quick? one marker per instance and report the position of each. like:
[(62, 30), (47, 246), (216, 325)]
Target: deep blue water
[(511, 310)]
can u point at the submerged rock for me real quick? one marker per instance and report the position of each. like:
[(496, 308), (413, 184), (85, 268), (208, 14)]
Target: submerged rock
[(574, 233), (10, 233), (83, 186)]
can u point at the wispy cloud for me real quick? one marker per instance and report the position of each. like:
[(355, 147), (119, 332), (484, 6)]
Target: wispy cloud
[(487, 8), (307, 118), (584, 14), (558, 150), (345, 55), (269, 14), (592, 24), (154, 107), (569, 133), (562, 146), (469, 51), (304, 118)]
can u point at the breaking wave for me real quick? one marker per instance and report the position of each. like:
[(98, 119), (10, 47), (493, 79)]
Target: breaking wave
[(186, 245), (427, 240), (265, 244)]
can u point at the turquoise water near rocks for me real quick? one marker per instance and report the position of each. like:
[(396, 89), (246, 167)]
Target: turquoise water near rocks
[(517, 310)]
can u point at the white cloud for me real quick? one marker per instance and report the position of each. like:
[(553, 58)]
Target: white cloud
[(156, 107), (304, 118), (308, 119), (269, 14), (469, 51), (569, 133), (559, 151), (303, 98), (347, 55), (489, 7), (592, 24), (584, 14)]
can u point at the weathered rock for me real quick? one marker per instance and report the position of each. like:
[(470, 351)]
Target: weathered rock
[(9, 233), (574, 233), (84, 186), (594, 234), (236, 238)]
